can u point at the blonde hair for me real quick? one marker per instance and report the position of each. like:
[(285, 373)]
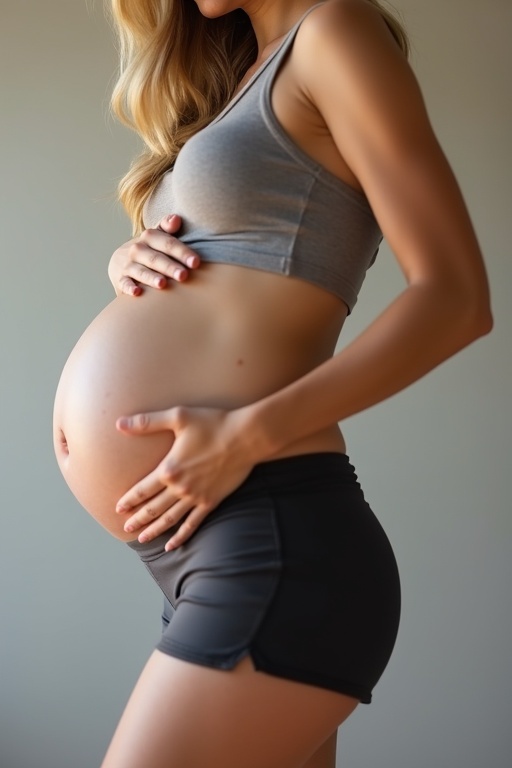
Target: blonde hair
[(178, 69)]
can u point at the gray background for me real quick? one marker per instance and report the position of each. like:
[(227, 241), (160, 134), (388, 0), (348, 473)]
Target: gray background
[(79, 615)]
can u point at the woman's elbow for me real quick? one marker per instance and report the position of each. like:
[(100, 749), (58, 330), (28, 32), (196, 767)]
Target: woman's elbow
[(475, 313), (485, 321), (465, 309)]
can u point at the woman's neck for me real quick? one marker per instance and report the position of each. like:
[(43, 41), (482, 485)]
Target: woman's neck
[(272, 19)]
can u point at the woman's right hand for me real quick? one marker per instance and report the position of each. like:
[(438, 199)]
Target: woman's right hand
[(152, 259)]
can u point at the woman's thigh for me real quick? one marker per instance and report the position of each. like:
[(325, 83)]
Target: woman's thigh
[(183, 715)]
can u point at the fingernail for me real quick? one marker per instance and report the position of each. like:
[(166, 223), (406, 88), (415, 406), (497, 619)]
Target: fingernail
[(180, 274), (129, 528), (143, 538), (170, 546), (123, 422), (192, 261)]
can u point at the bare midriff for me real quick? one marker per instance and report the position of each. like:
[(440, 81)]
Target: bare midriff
[(226, 337)]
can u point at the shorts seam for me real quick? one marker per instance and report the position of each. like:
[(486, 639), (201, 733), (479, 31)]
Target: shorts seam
[(278, 563)]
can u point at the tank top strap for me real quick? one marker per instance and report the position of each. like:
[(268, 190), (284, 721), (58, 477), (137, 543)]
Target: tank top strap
[(275, 58)]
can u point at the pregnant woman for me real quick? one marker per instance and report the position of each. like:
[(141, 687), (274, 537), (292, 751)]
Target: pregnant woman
[(200, 423)]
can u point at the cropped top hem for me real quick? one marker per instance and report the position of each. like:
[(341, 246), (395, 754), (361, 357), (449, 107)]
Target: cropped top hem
[(312, 272)]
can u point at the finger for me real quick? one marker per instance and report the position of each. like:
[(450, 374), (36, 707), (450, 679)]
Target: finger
[(129, 287), (153, 278), (189, 526), (147, 423), (167, 520), (148, 264), (171, 223), (165, 245), (169, 420), (141, 493), (152, 510)]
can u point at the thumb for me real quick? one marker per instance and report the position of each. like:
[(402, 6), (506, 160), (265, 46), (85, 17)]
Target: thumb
[(147, 423)]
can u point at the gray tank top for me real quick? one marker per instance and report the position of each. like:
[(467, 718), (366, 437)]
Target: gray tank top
[(249, 195)]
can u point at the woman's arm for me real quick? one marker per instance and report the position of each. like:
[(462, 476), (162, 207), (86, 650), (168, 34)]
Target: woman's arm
[(151, 259), (359, 81), (353, 73)]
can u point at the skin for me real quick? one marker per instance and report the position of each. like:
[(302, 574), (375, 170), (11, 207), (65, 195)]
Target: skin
[(391, 153), (256, 721)]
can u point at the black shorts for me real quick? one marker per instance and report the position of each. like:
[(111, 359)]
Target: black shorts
[(294, 569)]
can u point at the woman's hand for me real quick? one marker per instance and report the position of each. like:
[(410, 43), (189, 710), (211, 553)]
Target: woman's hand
[(210, 458), (152, 258)]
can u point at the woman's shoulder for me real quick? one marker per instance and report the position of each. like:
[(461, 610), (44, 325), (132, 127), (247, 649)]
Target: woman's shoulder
[(345, 28), (329, 8), (346, 54), (344, 15)]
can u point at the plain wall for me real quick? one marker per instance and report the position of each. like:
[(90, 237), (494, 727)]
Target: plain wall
[(78, 614)]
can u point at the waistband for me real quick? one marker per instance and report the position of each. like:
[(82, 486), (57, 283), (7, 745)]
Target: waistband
[(291, 473), (302, 469)]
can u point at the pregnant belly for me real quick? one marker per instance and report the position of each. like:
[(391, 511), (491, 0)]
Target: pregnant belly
[(147, 354), (122, 364), (186, 346)]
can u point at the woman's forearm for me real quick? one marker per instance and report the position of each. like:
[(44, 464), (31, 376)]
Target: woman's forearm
[(424, 326)]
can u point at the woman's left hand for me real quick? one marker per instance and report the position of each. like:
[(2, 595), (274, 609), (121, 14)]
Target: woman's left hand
[(209, 458)]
